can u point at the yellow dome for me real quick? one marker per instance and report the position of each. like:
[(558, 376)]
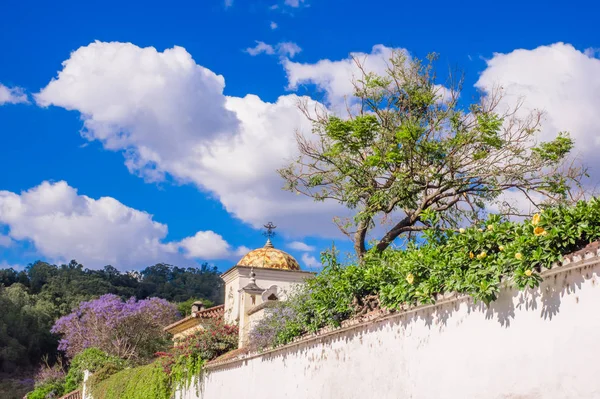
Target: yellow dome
[(269, 257)]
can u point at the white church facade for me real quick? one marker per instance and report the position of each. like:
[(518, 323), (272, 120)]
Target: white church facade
[(262, 277)]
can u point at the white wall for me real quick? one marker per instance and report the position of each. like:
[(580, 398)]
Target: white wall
[(239, 276), (543, 343)]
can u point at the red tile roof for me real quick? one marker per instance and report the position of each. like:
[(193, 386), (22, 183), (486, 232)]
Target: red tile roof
[(210, 313)]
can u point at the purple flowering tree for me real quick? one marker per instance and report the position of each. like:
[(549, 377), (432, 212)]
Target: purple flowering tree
[(129, 329), (265, 333)]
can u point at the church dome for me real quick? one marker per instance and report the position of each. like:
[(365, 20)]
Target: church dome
[(270, 258)]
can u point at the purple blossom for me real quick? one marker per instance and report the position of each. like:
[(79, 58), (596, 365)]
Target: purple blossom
[(126, 329)]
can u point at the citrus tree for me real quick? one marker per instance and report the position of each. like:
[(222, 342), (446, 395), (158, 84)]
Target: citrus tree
[(409, 146)]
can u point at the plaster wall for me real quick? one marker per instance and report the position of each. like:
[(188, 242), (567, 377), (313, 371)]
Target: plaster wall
[(542, 343), (239, 276)]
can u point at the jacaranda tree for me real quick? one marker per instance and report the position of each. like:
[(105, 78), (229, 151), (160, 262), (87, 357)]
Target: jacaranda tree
[(129, 329)]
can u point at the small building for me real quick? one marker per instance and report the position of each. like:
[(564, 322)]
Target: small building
[(262, 277), (194, 322)]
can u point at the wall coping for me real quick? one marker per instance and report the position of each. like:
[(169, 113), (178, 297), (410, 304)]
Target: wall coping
[(585, 257)]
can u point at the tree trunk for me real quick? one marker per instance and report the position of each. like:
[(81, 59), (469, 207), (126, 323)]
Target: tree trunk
[(359, 239), (398, 229)]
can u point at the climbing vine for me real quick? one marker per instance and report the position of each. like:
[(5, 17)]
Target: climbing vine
[(171, 370)]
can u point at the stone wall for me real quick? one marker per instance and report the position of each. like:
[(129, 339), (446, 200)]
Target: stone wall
[(541, 343)]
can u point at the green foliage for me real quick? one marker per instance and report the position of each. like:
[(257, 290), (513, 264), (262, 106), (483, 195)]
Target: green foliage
[(134, 383), (91, 359), (33, 298), (186, 358), (173, 370), (50, 390), (24, 328), (474, 261), (408, 146)]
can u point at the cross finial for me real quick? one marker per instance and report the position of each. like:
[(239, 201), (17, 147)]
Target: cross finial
[(269, 233)]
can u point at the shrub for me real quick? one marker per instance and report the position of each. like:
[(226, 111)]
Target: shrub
[(48, 390), (49, 381), (474, 261), (141, 382), (172, 370), (91, 359), (189, 354)]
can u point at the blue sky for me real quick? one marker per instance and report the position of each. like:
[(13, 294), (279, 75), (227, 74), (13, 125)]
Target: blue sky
[(192, 179)]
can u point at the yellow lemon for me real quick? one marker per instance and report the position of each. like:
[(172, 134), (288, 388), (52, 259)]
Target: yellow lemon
[(471, 255), (501, 247), (528, 272), (535, 219), (519, 255), (490, 227), (539, 231), (461, 230), (410, 278), (481, 255)]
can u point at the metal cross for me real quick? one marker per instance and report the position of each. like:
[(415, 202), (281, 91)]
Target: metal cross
[(269, 233)]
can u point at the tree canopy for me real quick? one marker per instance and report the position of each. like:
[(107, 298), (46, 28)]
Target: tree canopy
[(408, 147), (32, 299)]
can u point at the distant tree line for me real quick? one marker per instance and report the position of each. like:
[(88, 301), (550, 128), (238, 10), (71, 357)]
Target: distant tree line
[(32, 299)]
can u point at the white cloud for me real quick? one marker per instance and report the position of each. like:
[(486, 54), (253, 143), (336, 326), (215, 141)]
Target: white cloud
[(12, 95), (168, 116), (64, 225), (335, 77), (283, 49), (310, 261), (288, 49), (294, 3), (273, 25), (562, 81), (205, 245), (228, 3), (6, 265), (260, 48), (300, 246)]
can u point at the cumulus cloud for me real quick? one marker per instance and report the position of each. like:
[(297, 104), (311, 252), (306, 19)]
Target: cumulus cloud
[(310, 261), (273, 25), (168, 116), (64, 225), (12, 95), (300, 246), (335, 77), (560, 80), (283, 49)]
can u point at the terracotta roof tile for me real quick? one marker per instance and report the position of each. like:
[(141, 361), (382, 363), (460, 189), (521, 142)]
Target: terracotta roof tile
[(210, 313)]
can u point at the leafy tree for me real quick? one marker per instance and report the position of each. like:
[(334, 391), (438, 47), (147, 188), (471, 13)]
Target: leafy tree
[(24, 328), (408, 147), (178, 284), (127, 329), (32, 299)]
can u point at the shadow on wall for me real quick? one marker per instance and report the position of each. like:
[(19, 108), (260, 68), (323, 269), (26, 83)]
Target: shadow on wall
[(546, 299)]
